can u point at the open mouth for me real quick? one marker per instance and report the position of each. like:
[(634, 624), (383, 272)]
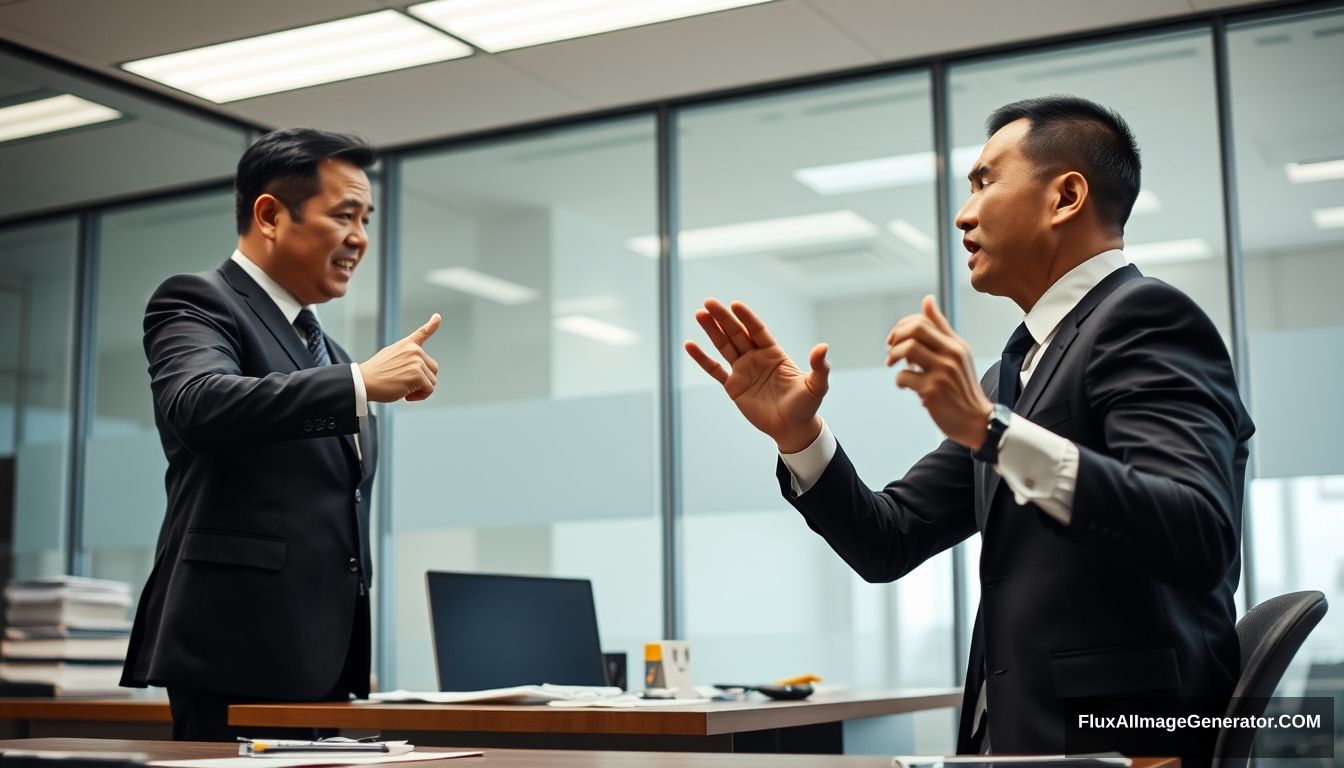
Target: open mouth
[(970, 245), (345, 265)]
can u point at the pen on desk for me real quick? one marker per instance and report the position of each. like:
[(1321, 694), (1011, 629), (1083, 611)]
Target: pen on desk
[(261, 746)]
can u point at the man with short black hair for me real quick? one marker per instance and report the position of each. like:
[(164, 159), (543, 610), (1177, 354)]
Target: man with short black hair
[(259, 590), (1102, 460)]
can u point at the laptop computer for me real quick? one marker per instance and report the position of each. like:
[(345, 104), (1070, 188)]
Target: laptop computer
[(499, 631)]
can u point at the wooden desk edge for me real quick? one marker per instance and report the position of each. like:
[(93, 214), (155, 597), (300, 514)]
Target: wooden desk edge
[(696, 720), (101, 710)]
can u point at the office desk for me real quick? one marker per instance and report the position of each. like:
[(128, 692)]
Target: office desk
[(139, 718), (756, 725), (511, 758)]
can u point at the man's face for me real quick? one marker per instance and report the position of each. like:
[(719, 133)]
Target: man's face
[(1006, 221), (317, 253)]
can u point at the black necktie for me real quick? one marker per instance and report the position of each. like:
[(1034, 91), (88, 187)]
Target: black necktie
[(306, 322), (1010, 369)]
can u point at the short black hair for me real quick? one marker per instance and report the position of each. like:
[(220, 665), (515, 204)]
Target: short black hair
[(284, 163), (1069, 133)]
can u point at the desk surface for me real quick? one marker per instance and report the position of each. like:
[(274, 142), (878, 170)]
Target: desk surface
[(87, 710), (513, 758), (714, 718)]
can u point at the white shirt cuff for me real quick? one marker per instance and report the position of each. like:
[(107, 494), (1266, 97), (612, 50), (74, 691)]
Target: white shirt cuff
[(1040, 467), (806, 466), (361, 395)]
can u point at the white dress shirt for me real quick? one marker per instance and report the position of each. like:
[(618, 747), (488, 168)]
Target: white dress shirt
[(1039, 466), (290, 308)]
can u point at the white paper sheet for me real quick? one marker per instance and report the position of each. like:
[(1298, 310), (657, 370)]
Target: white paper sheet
[(306, 761)]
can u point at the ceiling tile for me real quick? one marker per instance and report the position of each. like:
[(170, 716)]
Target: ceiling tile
[(905, 29), (108, 33), (452, 97), (703, 53)]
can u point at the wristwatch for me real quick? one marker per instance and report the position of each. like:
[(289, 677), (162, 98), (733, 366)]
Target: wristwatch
[(998, 424)]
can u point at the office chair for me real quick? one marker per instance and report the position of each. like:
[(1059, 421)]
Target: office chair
[(1270, 634)]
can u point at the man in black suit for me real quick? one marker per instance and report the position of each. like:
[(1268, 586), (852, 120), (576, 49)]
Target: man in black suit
[(260, 583), (1106, 483)]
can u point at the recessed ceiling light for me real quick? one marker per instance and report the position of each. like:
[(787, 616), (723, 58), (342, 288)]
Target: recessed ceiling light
[(297, 58), (912, 236), (57, 113), (1169, 251), (597, 330), (1328, 218), (1303, 173), (482, 285), (501, 25), (763, 235)]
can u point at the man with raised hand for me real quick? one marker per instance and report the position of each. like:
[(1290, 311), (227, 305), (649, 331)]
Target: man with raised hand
[(1102, 460), (259, 590)]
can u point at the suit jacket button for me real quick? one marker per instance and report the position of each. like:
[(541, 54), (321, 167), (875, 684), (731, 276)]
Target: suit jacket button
[(331, 422), (307, 425), (358, 496), (354, 565)]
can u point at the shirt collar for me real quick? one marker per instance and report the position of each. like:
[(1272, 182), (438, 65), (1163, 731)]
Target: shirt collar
[(284, 300), (1060, 299)]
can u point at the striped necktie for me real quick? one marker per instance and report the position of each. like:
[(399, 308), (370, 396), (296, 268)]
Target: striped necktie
[(307, 324)]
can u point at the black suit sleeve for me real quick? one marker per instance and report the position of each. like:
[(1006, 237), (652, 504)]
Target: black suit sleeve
[(1164, 496), (886, 534), (196, 352)]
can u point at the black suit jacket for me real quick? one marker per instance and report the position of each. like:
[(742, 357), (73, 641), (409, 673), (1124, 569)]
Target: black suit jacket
[(264, 550), (1134, 596)]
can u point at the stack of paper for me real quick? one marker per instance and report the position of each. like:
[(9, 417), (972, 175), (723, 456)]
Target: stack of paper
[(64, 636)]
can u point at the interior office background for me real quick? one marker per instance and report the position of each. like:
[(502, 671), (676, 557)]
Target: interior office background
[(571, 436)]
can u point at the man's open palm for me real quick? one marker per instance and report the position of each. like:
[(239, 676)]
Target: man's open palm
[(767, 387)]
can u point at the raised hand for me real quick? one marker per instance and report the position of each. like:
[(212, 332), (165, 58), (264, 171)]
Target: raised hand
[(767, 387), (403, 369), (942, 371)]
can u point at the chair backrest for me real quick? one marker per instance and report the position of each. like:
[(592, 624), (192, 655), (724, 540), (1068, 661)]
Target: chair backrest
[(1270, 635)]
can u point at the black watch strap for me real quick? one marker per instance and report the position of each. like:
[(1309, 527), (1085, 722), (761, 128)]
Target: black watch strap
[(998, 424)]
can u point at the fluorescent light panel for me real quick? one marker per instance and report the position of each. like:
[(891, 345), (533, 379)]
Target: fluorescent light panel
[(1169, 251), (1304, 173), (912, 236), (1328, 218), (282, 61), (597, 330), (763, 235), (57, 113), (481, 285), (881, 172), (501, 25)]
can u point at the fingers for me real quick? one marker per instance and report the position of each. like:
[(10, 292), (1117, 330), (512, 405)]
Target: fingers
[(756, 330), (923, 329), (715, 334), (421, 335), (732, 328), (912, 351), (818, 379), (706, 362)]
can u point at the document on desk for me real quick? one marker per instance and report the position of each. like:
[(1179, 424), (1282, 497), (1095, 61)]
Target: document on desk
[(518, 694), (1012, 761), (308, 761)]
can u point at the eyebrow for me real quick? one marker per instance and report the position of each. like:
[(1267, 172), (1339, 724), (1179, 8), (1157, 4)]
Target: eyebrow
[(977, 173), (352, 202)]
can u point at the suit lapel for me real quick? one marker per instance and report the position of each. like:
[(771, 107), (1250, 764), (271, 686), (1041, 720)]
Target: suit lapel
[(338, 357), (268, 314), (1048, 363)]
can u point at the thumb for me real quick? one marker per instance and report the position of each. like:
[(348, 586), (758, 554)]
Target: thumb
[(818, 380), (421, 335), (930, 308)]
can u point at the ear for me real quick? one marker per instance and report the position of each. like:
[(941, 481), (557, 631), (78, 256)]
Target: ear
[(266, 212), (1070, 196)]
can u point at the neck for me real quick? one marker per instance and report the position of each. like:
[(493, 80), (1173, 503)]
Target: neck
[(1065, 260)]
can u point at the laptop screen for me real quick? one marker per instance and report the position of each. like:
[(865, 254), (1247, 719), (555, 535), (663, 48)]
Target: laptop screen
[(493, 631)]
